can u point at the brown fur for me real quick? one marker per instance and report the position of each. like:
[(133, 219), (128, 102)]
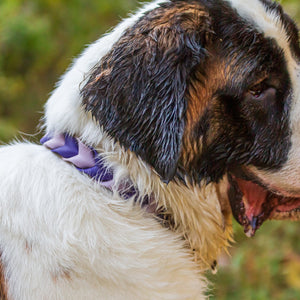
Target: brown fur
[(3, 286), (200, 96)]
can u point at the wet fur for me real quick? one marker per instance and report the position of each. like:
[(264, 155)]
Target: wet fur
[(163, 99)]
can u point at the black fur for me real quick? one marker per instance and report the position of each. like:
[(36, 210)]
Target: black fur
[(141, 100), (246, 130), (139, 92)]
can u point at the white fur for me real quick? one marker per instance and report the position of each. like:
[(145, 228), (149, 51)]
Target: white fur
[(62, 236), (69, 116)]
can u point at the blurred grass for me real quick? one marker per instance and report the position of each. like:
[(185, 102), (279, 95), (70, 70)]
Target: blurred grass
[(261, 268), (38, 39)]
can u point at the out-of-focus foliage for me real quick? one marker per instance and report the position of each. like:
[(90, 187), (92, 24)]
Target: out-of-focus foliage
[(261, 268), (39, 39)]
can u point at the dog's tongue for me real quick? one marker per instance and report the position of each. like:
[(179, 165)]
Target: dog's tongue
[(254, 198), (256, 204)]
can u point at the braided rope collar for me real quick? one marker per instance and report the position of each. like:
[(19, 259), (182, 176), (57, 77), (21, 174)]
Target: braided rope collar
[(88, 161)]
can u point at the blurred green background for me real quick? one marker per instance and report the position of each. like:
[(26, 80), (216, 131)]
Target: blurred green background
[(38, 40)]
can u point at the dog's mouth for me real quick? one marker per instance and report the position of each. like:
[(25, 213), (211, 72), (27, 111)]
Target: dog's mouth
[(252, 203)]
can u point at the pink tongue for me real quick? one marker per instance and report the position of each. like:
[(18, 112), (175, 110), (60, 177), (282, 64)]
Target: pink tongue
[(259, 205), (254, 196)]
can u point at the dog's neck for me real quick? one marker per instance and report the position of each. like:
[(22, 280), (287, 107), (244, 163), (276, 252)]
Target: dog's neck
[(89, 162), (194, 209)]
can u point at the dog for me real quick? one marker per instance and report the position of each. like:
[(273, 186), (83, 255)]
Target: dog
[(187, 112)]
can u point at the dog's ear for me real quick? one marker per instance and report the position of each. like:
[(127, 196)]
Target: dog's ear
[(137, 92)]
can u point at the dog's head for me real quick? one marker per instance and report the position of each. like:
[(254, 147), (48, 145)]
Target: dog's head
[(199, 89)]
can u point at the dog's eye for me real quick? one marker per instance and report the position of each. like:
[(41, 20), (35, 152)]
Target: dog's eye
[(258, 89)]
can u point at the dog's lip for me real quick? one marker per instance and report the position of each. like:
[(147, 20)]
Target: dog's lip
[(252, 203)]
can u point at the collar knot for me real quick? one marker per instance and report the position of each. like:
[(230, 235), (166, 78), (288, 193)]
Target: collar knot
[(85, 158)]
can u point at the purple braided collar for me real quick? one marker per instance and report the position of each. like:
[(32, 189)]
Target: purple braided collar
[(85, 159), (88, 161)]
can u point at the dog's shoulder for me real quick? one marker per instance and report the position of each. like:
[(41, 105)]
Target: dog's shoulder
[(66, 237)]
